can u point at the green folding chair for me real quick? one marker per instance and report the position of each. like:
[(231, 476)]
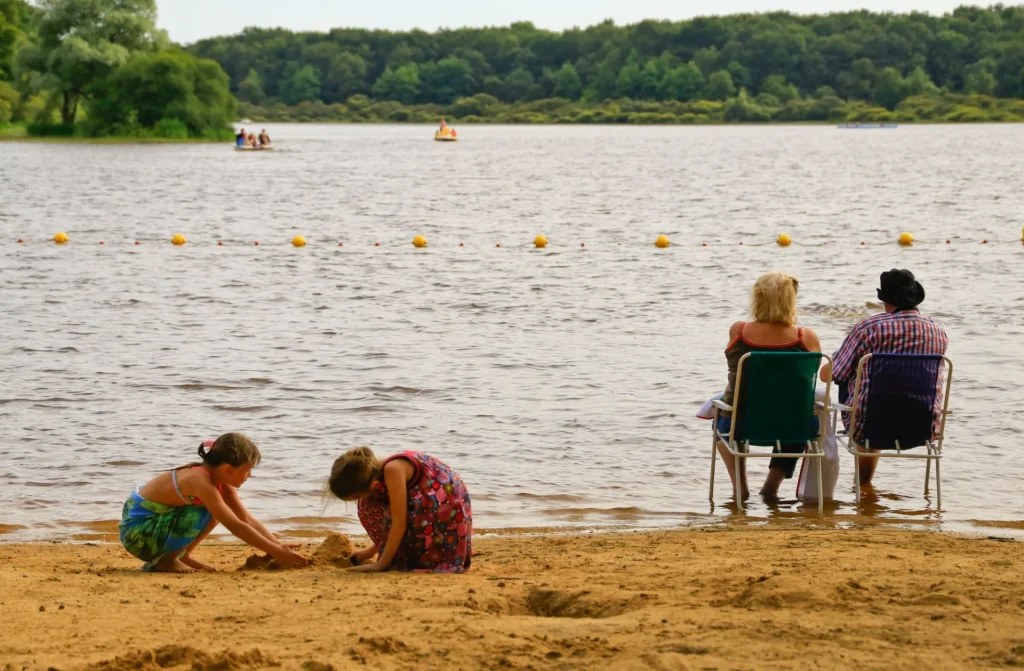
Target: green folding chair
[(774, 404)]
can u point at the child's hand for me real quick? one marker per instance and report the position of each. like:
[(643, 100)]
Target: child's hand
[(367, 568), (289, 558)]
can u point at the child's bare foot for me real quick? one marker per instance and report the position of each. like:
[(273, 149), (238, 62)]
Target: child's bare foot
[(197, 565), (171, 564)]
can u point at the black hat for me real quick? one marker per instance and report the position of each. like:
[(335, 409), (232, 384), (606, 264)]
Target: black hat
[(899, 288)]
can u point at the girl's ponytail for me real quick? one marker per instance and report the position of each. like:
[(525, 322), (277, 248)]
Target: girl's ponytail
[(233, 449)]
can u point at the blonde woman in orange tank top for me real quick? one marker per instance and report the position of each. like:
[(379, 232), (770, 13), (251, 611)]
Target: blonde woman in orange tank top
[(774, 329)]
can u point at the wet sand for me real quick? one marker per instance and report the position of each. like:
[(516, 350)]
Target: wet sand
[(714, 598)]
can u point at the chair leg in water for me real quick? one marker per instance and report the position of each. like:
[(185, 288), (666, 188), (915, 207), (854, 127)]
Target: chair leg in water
[(821, 491), (739, 497), (856, 474), (938, 484), (714, 457)]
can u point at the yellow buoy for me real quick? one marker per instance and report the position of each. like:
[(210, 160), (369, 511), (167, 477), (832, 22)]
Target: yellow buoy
[(298, 241), (906, 239), (540, 242), (784, 240), (178, 240), (419, 242), (60, 238), (662, 242)]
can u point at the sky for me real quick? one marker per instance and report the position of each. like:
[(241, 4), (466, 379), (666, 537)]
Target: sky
[(189, 20)]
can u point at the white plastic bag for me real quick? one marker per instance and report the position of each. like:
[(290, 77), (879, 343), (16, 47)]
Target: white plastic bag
[(707, 411), (807, 485)]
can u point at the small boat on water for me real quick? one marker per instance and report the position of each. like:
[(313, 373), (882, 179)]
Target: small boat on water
[(249, 148), (844, 126), (445, 133)]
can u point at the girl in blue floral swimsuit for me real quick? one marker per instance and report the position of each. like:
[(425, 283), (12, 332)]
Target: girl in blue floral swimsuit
[(164, 521)]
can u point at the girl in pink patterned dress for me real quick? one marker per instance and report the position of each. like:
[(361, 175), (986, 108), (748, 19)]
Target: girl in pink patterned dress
[(415, 509)]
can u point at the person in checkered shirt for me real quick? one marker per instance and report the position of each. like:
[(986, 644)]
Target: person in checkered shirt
[(901, 329)]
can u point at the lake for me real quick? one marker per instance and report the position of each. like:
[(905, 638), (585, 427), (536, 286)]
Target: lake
[(561, 383)]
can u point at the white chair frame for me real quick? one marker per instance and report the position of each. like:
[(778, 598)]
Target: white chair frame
[(815, 449), (933, 453)]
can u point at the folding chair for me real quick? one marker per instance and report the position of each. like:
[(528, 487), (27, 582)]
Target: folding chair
[(773, 404), (894, 397)]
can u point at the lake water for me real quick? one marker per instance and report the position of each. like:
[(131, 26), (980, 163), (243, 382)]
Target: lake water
[(562, 384)]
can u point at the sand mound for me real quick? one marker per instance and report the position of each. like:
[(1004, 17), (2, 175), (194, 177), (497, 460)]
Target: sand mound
[(787, 592), (554, 603), (170, 656), (334, 551)]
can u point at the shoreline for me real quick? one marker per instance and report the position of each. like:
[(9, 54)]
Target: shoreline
[(106, 531), (727, 597)]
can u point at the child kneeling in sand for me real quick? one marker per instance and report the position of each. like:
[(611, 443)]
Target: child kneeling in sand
[(164, 521), (415, 509)]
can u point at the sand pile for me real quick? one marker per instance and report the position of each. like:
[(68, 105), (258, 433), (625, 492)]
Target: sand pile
[(334, 551), (171, 656)]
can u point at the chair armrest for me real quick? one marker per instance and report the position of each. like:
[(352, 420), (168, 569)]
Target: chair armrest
[(842, 408), (722, 405)]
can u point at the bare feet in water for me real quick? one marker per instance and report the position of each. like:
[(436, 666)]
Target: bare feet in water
[(197, 565), (171, 564)]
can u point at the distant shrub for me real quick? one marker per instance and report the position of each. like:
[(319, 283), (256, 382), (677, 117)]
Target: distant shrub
[(46, 129), (171, 129)]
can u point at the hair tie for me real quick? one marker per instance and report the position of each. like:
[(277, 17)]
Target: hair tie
[(202, 451)]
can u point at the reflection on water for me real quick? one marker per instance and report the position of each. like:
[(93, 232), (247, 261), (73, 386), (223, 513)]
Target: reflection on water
[(561, 383)]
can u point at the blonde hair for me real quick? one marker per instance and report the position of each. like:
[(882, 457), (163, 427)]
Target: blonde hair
[(354, 472), (773, 298)]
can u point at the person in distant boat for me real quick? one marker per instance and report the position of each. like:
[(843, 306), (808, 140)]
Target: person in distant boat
[(444, 127), (252, 141), (240, 139), (264, 138)]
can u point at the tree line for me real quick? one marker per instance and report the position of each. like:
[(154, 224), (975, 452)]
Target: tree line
[(772, 59), (102, 68)]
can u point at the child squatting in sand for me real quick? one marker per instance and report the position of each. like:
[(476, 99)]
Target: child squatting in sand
[(415, 509), (164, 521)]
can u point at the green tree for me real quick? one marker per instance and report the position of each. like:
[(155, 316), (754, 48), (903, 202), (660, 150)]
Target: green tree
[(630, 78), (81, 42), (650, 80), (169, 88), (980, 81), (777, 86), (859, 81), (448, 79), (13, 14), (402, 84), (300, 83), (891, 88), (720, 86), (251, 88), (567, 82), (518, 85), (682, 83), (602, 85), (346, 77), (918, 82)]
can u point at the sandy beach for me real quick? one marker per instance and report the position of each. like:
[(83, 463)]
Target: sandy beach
[(711, 598)]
